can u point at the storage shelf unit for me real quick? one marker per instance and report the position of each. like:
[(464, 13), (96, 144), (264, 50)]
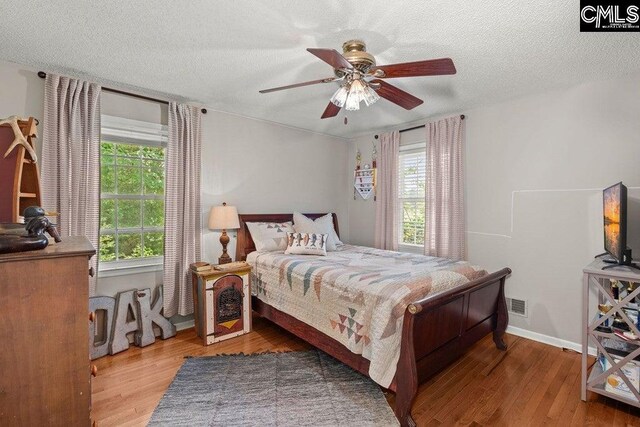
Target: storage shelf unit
[(615, 354), (364, 182)]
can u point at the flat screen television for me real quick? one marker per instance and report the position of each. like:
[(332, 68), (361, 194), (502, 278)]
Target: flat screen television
[(615, 222)]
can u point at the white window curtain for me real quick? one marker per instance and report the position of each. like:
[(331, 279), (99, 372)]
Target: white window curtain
[(183, 224), (444, 196), (71, 159), (386, 232)]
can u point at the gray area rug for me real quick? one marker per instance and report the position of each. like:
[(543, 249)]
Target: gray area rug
[(302, 388)]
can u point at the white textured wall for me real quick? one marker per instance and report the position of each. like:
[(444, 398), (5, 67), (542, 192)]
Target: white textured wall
[(362, 213), (536, 167), (261, 167), (21, 94), (129, 107)]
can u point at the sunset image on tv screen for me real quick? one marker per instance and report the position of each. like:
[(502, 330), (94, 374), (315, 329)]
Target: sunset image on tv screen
[(612, 221)]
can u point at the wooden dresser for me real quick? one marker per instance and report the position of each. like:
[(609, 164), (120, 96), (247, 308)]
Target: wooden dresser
[(44, 335)]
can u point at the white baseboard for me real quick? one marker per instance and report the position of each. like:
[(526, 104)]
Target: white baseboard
[(546, 339), (181, 326)]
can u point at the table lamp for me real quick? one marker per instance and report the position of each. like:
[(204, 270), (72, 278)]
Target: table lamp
[(224, 218)]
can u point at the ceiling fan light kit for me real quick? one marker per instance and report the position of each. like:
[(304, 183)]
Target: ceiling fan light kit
[(359, 78), (370, 96), (355, 95), (350, 94), (340, 96)]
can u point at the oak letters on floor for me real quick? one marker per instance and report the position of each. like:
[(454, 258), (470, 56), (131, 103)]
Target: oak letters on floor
[(129, 311)]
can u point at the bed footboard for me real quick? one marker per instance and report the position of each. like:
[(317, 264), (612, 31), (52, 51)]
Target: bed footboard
[(439, 329), (436, 331)]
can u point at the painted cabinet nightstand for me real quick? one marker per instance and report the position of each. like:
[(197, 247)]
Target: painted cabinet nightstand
[(222, 303)]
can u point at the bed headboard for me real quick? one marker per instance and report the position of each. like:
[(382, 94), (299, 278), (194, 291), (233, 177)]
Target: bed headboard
[(245, 244)]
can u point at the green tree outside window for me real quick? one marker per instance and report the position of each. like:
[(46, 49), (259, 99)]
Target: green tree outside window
[(132, 201)]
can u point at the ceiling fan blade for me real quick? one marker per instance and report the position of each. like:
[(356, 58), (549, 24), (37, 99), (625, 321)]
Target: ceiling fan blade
[(312, 82), (430, 67), (332, 110), (331, 57), (397, 96)]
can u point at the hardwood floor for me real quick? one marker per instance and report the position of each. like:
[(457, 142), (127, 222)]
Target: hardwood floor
[(532, 384)]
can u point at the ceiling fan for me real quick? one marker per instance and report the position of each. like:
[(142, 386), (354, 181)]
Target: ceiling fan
[(361, 79)]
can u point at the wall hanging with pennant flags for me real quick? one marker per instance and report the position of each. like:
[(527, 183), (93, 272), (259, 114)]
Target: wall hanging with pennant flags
[(364, 177)]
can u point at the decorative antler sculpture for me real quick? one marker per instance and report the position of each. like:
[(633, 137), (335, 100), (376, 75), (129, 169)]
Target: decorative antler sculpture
[(19, 138)]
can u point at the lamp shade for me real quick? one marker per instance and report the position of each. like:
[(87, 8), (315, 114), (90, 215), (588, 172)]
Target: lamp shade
[(223, 217)]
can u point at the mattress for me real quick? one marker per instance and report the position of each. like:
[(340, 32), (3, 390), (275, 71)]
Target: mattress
[(356, 295)]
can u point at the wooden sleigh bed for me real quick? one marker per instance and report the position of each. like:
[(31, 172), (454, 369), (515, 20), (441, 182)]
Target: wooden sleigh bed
[(437, 330)]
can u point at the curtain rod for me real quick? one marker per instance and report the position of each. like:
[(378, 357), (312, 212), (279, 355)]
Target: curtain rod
[(417, 127), (42, 75)]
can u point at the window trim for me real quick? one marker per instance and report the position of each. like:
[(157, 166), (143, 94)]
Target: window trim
[(130, 266), (129, 131), (124, 130)]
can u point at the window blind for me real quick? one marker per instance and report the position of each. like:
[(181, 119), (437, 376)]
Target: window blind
[(411, 197)]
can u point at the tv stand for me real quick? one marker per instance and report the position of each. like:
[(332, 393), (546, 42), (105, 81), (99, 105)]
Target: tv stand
[(614, 264), (615, 354)]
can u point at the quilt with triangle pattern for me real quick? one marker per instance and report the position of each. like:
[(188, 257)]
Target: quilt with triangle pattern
[(356, 295)]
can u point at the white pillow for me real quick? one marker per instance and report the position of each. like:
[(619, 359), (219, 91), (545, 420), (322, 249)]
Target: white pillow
[(324, 224), (270, 236), (306, 244)]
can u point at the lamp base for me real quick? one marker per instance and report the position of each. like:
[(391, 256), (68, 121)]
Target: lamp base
[(224, 241)]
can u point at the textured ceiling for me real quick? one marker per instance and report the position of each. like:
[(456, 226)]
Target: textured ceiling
[(220, 53)]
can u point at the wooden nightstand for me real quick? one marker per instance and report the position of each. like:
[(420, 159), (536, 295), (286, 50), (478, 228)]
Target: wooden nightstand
[(222, 303)]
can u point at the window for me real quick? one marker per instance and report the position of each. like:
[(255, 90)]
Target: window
[(132, 155), (411, 193)]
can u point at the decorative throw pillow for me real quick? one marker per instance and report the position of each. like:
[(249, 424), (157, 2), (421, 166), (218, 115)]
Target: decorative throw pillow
[(270, 236), (306, 244), (324, 224)]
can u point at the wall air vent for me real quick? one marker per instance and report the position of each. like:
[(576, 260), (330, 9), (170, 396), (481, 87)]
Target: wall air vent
[(517, 307)]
